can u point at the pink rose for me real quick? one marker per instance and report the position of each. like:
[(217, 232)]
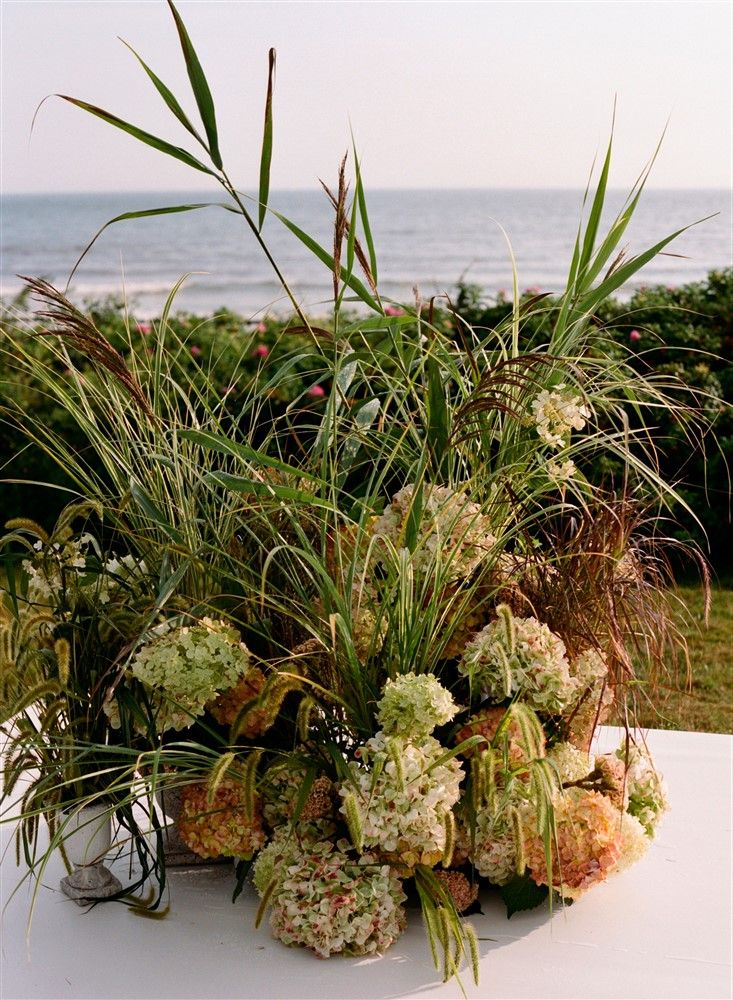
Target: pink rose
[(261, 351), (195, 350), (144, 328), (634, 336), (394, 311), (261, 328), (317, 391)]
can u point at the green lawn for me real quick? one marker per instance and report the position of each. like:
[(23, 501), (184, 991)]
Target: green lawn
[(707, 705)]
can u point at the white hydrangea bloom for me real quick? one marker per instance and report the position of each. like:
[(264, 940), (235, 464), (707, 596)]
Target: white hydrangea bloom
[(645, 787), (453, 530), (589, 668), (412, 705), (557, 413), (495, 848), (403, 800), (561, 471), (526, 658), (55, 567), (570, 763), (186, 667)]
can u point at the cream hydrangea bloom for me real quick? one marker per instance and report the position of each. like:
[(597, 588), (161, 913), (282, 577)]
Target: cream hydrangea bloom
[(452, 530), (645, 787), (403, 799), (570, 763), (520, 655), (412, 705)]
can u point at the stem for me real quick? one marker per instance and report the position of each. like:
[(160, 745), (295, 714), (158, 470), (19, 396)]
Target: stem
[(229, 187)]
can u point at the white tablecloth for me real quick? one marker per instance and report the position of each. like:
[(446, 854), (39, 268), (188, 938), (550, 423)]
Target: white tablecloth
[(662, 929)]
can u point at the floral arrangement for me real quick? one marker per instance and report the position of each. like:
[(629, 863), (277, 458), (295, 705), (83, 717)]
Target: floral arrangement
[(367, 641)]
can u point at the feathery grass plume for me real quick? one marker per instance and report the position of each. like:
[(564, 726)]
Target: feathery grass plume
[(26, 524), (395, 749), (217, 775), (353, 821), (488, 759), (469, 933), (505, 616), (308, 705), (249, 781), (478, 790), (76, 329), (449, 825), (62, 649), (265, 901), (518, 833)]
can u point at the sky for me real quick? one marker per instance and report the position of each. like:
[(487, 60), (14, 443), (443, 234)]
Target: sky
[(456, 95)]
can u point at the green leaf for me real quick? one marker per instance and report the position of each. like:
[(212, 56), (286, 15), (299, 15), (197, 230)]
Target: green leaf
[(594, 219), (438, 429), (143, 214), (317, 250), (522, 893), (200, 87), (167, 96), (225, 446), (151, 511), (361, 199), (177, 152), (266, 157)]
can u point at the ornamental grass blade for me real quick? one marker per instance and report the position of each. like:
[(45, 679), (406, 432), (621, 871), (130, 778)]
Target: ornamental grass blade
[(266, 157), (200, 87), (142, 214), (168, 96), (177, 152), (622, 274)]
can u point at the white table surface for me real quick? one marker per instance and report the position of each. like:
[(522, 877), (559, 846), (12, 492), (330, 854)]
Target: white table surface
[(661, 929)]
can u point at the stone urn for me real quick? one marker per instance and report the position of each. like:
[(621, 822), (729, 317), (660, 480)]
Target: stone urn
[(86, 837)]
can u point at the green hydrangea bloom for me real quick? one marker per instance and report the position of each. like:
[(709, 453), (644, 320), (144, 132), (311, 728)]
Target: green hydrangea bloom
[(412, 705), (187, 667)]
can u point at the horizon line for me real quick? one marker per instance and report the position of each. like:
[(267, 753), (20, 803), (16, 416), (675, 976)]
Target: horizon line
[(315, 190)]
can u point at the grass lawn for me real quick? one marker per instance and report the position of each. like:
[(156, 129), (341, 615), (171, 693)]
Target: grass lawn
[(707, 706)]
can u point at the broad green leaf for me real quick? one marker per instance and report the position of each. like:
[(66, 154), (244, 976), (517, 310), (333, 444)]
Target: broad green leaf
[(177, 152), (266, 157), (522, 893), (151, 511), (143, 214), (223, 445), (200, 87), (167, 96), (438, 429), (349, 279)]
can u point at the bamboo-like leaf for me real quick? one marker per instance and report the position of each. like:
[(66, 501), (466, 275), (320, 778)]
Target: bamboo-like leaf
[(200, 87), (364, 216), (594, 219), (325, 257), (177, 152), (142, 214), (168, 96), (622, 274), (266, 156), (224, 445)]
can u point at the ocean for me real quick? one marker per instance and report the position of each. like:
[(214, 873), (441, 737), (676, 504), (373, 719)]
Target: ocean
[(424, 239)]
